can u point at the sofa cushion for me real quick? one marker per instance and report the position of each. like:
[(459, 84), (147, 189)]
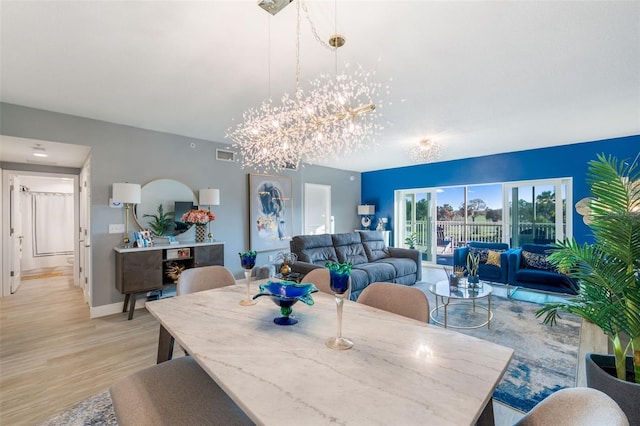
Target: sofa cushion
[(536, 261), (493, 258), (359, 281), (375, 249), (483, 253), (315, 249), (403, 266), (489, 272), (349, 248), (377, 271), (539, 276)]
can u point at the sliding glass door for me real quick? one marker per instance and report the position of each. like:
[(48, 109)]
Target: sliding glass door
[(537, 211), (415, 211), (516, 213)]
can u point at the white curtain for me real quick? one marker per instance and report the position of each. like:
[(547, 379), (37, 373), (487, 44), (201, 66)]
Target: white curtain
[(52, 223)]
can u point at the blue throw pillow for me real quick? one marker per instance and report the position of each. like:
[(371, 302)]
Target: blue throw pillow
[(537, 261)]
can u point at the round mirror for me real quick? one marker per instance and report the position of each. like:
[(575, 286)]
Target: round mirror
[(162, 204)]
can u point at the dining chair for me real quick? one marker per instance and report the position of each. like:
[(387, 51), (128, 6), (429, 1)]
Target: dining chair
[(398, 299), (193, 280), (177, 392), (320, 277), (576, 407)]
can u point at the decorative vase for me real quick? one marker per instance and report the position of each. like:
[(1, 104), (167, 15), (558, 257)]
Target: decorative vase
[(201, 233), (453, 282), (601, 375)]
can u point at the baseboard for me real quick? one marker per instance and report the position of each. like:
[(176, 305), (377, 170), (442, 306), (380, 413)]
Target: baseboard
[(111, 309)]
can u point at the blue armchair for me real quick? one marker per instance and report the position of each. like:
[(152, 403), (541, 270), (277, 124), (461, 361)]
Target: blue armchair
[(493, 267), (528, 267)]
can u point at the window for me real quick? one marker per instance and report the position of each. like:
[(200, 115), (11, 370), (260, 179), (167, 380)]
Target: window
[(448, 217)]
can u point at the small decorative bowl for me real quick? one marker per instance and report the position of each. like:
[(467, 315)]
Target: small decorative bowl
[(285, 294)]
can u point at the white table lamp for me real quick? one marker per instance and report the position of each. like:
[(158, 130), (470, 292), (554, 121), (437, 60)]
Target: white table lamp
[(209, 197), (128, 194), (366, 211)]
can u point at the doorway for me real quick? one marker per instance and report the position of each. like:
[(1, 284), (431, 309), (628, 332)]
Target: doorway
[(42, 226)]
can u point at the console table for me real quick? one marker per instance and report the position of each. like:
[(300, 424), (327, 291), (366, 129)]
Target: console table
[(143, 269)]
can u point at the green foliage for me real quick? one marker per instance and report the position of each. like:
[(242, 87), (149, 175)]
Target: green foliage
[(162, 222), (608, 271), (472, 264), (411, 240)]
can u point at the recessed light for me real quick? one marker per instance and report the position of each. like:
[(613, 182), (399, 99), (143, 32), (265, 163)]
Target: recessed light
[(40, 154)]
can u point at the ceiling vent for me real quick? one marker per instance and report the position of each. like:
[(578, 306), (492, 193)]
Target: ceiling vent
[(223, 155)]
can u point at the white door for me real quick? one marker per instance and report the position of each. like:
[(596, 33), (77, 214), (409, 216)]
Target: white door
[(15, 233), (317, 209), (84, 246)]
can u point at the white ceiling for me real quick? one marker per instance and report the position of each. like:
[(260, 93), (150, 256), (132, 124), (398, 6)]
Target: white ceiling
[(478, 77)]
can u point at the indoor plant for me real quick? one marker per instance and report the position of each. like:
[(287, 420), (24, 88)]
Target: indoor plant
[(472, 267), (411, 240), (608, 271), (162, 222)]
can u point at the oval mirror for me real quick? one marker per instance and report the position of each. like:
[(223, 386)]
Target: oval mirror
[(175, 197)]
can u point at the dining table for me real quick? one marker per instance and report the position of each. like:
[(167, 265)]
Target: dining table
[(399, 372)]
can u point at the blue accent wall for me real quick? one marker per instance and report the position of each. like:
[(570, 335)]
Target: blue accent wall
[(555, 162)]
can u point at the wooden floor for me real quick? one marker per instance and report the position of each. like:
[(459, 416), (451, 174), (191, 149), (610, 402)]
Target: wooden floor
[(52, 355)]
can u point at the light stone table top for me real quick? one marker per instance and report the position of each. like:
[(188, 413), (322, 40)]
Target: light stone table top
[(399, 372)]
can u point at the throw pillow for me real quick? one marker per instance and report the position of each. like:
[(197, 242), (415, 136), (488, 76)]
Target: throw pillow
[(537, 261), (493, 258), (481, 252)]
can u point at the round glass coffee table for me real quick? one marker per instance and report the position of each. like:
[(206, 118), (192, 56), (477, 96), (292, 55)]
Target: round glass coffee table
[(463, 296)]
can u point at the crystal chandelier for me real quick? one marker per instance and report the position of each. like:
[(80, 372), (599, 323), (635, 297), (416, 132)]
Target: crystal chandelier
[(336, 116), (426, 151)]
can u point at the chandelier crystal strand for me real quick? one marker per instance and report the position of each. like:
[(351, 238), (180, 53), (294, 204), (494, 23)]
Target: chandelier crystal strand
[(339, 115)]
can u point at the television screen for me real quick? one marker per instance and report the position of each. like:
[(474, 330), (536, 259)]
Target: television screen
[(181, 207)]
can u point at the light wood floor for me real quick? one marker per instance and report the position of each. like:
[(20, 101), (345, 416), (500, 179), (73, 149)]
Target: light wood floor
[(53, 356)]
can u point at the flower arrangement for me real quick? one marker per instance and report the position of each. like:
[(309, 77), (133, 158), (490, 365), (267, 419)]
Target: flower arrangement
[(198, 217)]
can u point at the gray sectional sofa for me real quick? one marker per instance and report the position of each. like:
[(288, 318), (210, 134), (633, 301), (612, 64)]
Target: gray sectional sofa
[(372, 260)]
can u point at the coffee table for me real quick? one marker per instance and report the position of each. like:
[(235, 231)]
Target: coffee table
[(463, 296)]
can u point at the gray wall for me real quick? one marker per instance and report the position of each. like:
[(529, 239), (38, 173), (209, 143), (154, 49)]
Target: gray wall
[(128, 154)]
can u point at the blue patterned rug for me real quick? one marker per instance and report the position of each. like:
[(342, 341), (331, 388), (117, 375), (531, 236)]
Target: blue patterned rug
[(545, 358)]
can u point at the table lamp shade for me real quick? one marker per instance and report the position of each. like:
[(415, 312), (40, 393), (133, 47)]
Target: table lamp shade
[(366, 210), (209, 197), (126, 193)]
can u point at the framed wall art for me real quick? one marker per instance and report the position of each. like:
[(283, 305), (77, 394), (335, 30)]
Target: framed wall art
[(270, 212)]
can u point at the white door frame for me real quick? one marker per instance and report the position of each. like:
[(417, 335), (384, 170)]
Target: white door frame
[(8, 240)]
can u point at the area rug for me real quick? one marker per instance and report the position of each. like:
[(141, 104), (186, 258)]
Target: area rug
[(95, 411), (545, 358)]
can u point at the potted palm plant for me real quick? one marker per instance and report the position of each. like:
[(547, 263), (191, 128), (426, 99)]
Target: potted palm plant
[(161, 223), (608, 273)]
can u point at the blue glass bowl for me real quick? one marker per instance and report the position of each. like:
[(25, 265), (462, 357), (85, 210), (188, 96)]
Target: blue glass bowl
[(285, 294)]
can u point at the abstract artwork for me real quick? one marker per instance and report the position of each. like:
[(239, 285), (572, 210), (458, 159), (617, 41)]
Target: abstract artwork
[(270, 212)]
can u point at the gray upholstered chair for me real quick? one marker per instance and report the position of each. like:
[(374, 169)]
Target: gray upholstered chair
[(576, 407), (397, 298), (321, 279), (176, 392), (205, 278)]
